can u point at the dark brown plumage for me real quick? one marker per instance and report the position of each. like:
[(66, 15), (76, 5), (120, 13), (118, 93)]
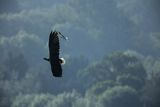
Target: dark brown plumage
[(54, 59), (54, 54)]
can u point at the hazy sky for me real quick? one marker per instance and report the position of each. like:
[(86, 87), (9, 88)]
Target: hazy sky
[(94, 28)]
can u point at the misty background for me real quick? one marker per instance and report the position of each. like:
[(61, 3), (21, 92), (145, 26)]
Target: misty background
[(112, 55)]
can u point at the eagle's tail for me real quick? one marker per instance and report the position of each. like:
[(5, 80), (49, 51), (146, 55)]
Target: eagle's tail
[(47, 59)]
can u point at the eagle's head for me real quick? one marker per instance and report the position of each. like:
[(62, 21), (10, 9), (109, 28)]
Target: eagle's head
[(62, 61)]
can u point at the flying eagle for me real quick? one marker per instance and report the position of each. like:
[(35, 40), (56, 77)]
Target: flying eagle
[(54, 48)]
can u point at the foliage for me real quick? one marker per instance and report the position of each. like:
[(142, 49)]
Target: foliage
[(100, 87), (118, 79), (46, 100), (119, 67), (120, 96), (32, 100), (151, 93)]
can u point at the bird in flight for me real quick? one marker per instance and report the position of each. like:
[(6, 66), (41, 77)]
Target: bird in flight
[(54, 47)]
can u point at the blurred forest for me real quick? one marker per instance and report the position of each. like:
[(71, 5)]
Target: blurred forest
[(112, 56)]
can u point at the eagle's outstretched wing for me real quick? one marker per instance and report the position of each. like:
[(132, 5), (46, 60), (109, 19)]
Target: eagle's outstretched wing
[(54, 54)]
